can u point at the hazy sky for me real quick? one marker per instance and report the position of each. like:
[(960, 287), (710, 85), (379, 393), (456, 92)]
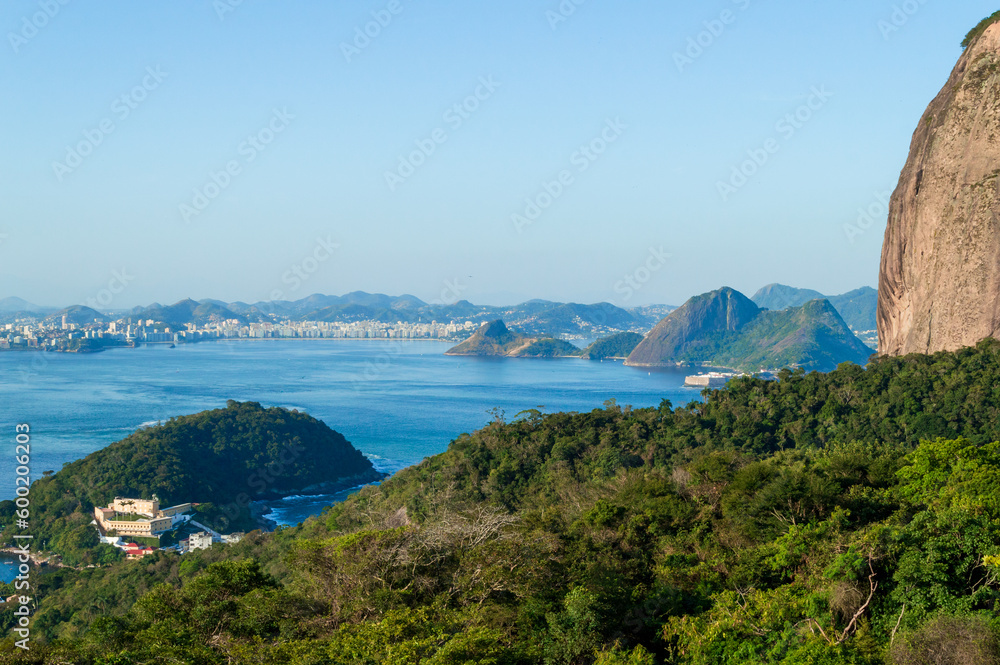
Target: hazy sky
[(247, 150)]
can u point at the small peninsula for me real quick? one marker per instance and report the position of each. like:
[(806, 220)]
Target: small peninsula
[(495, 339)]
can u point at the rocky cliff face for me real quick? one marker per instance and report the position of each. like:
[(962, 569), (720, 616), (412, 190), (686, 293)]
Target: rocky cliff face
[(939, 280)]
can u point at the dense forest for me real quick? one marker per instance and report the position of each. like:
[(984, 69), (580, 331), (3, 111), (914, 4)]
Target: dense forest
[(849, 517), (223, 458)]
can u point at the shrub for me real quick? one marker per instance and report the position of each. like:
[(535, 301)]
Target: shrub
[(948, 640)]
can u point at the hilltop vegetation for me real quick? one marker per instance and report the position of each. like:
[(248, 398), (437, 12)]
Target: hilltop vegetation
[(222, 458), (614, 346), (848, 517), (980, 29), (77, 314), (856, 307), (812, 336)]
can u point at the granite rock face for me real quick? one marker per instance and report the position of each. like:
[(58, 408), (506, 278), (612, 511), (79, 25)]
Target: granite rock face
[(939, 278)]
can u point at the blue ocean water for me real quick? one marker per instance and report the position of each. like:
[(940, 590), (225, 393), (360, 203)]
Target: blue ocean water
[(398, 402)]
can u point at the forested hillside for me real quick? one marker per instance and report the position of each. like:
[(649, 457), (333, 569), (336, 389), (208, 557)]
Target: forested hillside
[(849, 517), (222, 458)]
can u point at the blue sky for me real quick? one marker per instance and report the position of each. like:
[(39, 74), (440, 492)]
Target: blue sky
[(583, 161)]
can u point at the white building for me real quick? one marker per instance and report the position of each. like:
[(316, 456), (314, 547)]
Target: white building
[(200, 541)]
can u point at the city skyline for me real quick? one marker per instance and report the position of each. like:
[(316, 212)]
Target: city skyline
[(512, 152)]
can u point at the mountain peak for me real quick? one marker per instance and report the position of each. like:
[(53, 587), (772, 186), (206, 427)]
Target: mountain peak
[(494, 330), (779, 296)]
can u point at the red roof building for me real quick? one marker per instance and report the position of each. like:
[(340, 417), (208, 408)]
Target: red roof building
[(135, 551)]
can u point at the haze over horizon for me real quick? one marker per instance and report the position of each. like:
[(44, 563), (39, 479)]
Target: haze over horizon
[(286, 119)]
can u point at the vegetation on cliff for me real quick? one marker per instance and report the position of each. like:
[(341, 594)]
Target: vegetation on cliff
[(848, 517), (980, 29)]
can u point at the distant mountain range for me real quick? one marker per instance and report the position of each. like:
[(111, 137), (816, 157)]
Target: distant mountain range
[(13, 304), (726, 329), (534, 317), (856, 307), (188, 311)]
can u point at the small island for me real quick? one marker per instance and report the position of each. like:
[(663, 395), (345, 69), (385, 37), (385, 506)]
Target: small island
[(497, 340)]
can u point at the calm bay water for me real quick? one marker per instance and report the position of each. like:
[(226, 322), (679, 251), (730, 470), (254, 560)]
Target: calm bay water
[(398, 402)]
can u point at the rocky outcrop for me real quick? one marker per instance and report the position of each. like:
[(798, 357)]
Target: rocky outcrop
[(939, 279)]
